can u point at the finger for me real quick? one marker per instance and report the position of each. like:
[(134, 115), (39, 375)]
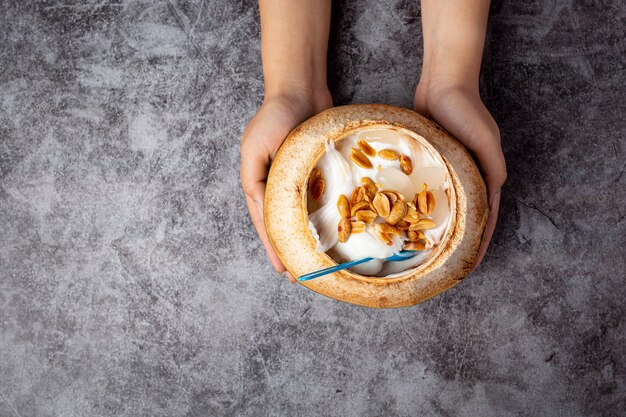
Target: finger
[(256, 213), (491, 161), (494, 207), (253, 171), (253, 174), (492, 165), (290, 278)]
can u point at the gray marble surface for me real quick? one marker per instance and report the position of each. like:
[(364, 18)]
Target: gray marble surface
[(132, 282)]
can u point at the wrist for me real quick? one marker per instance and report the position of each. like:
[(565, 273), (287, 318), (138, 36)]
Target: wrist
[(430, 92), (305, 98), (437, 85), (302, 73), (451, 72)]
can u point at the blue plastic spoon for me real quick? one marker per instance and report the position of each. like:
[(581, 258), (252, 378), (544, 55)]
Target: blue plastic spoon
[(401, 256)]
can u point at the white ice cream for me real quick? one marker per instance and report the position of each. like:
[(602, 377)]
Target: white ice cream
[(341, 176)]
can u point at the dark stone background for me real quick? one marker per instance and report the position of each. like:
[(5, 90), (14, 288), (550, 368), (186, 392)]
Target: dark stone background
[(133, 284)]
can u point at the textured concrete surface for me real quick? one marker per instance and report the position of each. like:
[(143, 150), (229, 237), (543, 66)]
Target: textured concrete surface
[(132, 282)]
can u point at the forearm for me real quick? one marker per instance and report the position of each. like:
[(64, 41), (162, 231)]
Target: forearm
[(294, 44), (454, 37)]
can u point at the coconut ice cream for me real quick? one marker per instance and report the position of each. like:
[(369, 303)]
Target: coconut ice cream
[(377, 191), (329, 198)]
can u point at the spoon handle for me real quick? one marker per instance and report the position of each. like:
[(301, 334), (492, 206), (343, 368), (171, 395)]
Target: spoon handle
[(332, 269)]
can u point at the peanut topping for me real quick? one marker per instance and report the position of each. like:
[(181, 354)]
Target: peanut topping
[(414, 246), (388, 154), (358, 227), (398, 211), (422, 224), (344, 228), (425, 200), (316, 184), (366, 148), (401, 217), (415, 235), (370, 186), (403, 225), (381, 204), (406, 165), (366, 216), (382, 235), (360, 159), (389, 230), (358, 194), (343, 205), (361, 205)]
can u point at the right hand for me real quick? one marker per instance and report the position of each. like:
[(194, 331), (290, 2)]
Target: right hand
[(262, 137)]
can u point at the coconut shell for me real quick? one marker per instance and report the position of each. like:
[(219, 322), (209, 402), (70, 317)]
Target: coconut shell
[(287, 223)]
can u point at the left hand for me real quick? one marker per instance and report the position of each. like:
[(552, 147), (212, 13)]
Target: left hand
[(462, 113)]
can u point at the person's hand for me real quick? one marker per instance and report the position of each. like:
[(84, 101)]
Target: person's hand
[(262, 137), (454, 37), (462, 113), (294, 44)]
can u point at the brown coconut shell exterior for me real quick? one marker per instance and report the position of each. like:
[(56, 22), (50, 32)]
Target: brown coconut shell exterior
[(286, 216)]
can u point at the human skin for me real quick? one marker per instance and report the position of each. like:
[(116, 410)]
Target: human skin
[(454, 36), (294, 42)]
